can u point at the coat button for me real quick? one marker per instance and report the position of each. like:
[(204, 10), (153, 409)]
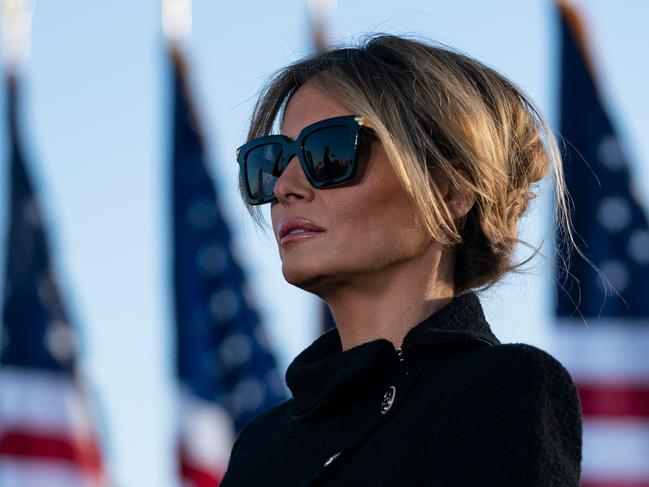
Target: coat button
[(331, 459), (388, 399)]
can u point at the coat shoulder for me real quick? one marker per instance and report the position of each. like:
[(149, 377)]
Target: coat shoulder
[(550, 399), (515, 376), (540, 378), (533, 364)]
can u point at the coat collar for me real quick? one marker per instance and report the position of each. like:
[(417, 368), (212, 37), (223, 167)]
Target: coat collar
[(322, 369)]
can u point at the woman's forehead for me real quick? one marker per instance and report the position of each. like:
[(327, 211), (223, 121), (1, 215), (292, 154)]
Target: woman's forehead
[(308, 105)]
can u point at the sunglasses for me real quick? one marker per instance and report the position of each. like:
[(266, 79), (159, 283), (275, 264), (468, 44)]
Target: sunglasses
[(327, 150)]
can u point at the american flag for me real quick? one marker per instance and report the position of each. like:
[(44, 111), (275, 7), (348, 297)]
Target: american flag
[(604, 340), (226, 371), (46, 433)]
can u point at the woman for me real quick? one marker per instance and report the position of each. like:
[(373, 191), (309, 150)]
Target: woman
[(396, 187)]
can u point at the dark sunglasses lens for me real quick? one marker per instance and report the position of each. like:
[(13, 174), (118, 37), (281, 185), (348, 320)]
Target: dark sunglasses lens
[(262, 170), (330, 153)]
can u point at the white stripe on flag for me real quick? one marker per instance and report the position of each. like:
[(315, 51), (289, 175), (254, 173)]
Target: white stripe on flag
[(17, 472), (42, 400), (608, 349), (207, 433), (616, 448)]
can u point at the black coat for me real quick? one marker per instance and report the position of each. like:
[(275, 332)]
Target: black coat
[(453, 408)]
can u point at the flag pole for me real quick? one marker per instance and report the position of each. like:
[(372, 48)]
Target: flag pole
[(16, 26), (319, 11), (575, 19), (176, 16)]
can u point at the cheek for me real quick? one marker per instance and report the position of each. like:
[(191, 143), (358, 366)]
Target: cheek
[(375, 218)]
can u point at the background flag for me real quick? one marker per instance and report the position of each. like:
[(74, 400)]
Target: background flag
[(46, 435), (609, 356), (225, 367)]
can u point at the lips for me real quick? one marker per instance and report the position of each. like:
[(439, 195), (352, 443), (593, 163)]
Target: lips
[(297, 229)]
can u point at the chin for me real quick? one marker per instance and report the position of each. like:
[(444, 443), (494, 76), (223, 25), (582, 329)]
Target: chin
[(310, 278)]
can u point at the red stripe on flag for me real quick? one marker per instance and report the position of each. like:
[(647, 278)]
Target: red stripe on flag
[(83, 453), (614, 399), (614, 482), (197, 476)]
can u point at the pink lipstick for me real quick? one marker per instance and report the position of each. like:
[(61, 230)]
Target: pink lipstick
[(294, 229)]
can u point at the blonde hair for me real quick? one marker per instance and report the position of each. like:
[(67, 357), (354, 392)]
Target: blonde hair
[(437, 110)]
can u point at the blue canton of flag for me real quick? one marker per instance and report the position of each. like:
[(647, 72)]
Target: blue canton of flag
[(46, 436), (224, 362), (608, 358), (36, 330)]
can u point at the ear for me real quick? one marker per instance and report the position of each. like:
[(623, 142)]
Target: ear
[(459, 199)]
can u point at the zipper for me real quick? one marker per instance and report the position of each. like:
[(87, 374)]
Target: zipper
[(402, 359)]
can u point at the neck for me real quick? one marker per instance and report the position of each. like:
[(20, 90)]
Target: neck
[(389, 302)]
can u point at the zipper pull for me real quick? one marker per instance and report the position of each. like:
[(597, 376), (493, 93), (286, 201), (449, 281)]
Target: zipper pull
[(401, 360)]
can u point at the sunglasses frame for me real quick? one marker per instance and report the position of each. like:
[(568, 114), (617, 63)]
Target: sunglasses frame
[(295, 147)]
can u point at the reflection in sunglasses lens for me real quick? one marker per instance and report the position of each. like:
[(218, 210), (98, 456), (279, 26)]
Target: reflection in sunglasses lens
[(329, 152), (262, 170)]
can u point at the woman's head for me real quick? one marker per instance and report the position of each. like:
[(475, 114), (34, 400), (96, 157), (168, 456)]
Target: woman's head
[(453, 151), (361, 228)]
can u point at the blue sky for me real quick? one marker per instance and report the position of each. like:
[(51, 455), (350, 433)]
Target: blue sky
[(96, 117)]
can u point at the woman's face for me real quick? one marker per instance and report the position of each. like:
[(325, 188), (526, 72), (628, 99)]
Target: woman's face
[(366, 227)]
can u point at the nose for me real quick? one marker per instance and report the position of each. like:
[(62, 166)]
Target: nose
[(292, 185)]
